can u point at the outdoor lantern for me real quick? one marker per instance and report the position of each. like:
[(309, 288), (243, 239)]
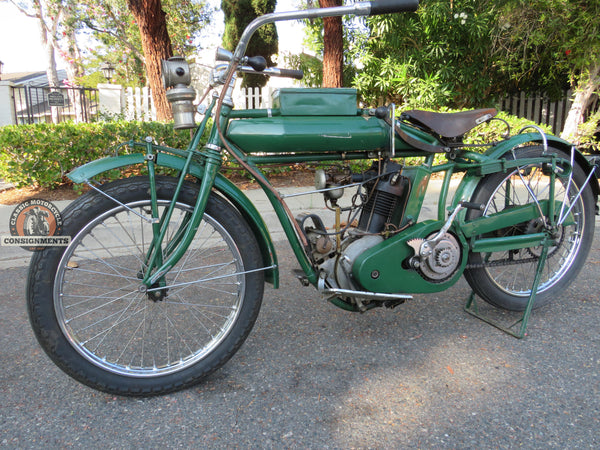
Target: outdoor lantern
[(108, 70)]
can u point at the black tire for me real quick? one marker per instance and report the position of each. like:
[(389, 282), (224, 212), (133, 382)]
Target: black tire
[(507, 277), (96, 325)]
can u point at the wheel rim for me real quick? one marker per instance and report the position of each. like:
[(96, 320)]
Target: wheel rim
[(517, 279), (115, 326)]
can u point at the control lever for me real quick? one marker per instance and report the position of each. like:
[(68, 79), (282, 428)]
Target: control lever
[(258, 63)]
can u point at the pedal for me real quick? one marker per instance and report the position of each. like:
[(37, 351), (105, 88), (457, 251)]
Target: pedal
[(472, 205), (301, 276)]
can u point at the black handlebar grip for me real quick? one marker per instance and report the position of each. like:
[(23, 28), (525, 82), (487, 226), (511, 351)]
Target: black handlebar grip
[(393, 6), (289, 73)]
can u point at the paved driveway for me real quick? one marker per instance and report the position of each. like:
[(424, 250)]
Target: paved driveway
[(425, 375)]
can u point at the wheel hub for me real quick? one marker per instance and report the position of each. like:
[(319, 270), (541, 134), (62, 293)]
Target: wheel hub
[(157, 295), (154, 293)]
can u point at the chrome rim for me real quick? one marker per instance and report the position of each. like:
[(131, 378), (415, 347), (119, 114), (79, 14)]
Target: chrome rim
[(516, 277), (116, 326)]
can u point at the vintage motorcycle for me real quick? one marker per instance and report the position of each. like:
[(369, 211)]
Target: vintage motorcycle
[(163, 278)]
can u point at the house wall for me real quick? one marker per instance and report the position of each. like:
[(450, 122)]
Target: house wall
[(7, 105)]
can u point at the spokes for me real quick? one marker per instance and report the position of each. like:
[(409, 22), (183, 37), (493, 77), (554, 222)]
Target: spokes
[(115, 325), (513, 271)]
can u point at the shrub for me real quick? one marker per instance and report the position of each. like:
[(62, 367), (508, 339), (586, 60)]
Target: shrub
[(589, 134), (42, 154)]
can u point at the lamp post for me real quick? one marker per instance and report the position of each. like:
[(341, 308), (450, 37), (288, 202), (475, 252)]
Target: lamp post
[(1, 67), (108, 70)]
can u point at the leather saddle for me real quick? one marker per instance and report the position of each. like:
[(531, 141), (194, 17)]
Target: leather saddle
[(448, 126)]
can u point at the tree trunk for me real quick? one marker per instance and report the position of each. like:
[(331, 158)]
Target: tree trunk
[(576, 116), (48, 38), (74, 72), (157, 46), (333, 47)]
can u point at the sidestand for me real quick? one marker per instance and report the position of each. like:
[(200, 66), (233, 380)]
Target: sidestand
[(472, 308)]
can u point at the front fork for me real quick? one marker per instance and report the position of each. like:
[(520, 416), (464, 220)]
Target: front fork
[(158, 261)]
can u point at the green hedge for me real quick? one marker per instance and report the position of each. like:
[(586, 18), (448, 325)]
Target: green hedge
[(42, 154), (495, 129)]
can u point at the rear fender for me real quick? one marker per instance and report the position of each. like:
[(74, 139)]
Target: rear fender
[(222, 185), (469, 182)]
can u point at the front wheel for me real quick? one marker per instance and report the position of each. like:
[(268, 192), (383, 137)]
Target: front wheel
[(504, 279), (93, 318)]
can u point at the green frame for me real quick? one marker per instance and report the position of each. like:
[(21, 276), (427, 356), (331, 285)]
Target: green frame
[(204, 165)]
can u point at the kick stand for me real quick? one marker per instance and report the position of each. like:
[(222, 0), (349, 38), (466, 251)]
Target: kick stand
[(472, 308)]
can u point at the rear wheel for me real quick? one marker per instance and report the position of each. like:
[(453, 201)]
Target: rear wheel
[(504, 279), (97, 323)]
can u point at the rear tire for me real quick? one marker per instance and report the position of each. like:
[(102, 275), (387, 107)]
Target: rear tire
[(92, 319), (506, 278)]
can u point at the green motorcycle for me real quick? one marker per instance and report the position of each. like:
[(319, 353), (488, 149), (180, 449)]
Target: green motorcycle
[(164, 276)]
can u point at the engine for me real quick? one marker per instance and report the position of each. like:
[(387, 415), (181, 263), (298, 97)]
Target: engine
[(376, 212), (385, 200)]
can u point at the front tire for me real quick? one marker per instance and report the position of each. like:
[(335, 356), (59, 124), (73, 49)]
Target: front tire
[(93, 320), (504, 279)]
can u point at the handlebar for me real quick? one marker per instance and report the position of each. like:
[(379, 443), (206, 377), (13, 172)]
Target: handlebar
[(371, 8), (392, 6), (237, 60), (274, 72), (257, 65), (286, 73)]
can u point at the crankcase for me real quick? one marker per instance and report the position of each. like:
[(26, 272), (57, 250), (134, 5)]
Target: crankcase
[(385, 267)]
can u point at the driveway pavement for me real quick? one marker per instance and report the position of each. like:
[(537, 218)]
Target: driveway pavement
[(424, 375)]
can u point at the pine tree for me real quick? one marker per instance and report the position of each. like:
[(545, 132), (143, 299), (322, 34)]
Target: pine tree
[(238, 14)]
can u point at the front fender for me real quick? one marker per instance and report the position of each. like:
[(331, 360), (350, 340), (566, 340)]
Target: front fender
[(222, 185), (496, 153)]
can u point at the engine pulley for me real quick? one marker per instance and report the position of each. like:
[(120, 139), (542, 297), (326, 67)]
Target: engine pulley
[(441, 261)]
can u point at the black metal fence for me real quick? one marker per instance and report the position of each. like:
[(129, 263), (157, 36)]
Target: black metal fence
[(35, 104)]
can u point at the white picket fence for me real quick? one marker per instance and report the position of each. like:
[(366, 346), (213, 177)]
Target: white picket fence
[(136, 103), (139, 104), (253, 98), (129, 103)]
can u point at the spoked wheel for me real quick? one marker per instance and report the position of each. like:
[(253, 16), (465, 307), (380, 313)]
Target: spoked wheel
[(94, 318), (504, 279)]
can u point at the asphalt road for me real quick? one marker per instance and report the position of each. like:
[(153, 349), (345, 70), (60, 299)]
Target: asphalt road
[(424, 375)]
